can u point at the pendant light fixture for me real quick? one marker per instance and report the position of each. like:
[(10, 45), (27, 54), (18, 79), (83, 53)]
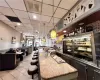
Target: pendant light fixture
[(53, 33), (44, 39)]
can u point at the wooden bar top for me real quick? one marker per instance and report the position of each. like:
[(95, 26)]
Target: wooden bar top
[(49, 68)]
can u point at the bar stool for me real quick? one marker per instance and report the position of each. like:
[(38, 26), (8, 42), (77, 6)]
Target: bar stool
[(34, 62), (35, 57), (32, 71), (35, 53)]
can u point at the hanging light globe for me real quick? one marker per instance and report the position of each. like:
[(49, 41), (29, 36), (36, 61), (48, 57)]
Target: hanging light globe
[(43, 40), (53, 34)]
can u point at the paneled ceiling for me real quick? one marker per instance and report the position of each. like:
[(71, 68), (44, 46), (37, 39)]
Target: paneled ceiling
[(33, 15)]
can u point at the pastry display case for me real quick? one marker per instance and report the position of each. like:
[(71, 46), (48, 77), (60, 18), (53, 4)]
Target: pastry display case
[(81, 46)]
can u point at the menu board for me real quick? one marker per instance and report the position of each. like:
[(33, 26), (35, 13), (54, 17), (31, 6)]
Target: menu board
[(60, 25)]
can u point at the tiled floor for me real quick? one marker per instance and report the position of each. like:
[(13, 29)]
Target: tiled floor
[(20, 72)]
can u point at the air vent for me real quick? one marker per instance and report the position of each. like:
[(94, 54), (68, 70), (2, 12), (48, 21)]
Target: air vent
[(13, 19), (33, 6)]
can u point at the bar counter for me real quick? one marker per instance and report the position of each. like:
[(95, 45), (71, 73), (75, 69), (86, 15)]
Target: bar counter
[(51, 70)]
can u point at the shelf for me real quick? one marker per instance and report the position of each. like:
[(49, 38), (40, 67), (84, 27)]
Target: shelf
[(83, 45), (69, 45), (85, 55), (85, 51)]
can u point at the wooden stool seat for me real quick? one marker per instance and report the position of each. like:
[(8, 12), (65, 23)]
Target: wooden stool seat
[(32, 70)]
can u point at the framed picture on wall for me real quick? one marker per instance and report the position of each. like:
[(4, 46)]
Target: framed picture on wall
[(13, 40)]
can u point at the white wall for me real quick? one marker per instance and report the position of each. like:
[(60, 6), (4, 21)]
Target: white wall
[(6, 34)]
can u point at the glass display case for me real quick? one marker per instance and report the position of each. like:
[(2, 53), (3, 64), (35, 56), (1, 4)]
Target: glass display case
[(81, 46)]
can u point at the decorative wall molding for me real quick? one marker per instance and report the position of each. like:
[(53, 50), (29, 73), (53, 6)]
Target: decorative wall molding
[(78, 11)]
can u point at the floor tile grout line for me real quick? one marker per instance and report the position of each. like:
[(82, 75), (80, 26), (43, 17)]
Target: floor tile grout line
[(12, 75)]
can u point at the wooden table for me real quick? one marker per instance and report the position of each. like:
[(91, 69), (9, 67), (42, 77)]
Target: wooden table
[(51, 70), (19, 55)]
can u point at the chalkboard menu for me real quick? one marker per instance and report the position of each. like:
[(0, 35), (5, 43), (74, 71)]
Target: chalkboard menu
[(60, 25)]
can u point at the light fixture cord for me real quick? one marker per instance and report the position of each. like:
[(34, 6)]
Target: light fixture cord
[(53, 12)]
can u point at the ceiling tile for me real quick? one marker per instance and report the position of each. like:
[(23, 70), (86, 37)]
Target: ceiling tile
[(44, 23), (2, 17), (39, 0), (33, 6), (31, 15), (11, 25), (50, 26), (27, 25), (3, 3), (55, 20), (21, 14), (67, 4), (48, 2), (47, 10), (60, 13), (45, 18), (35, 22), (17, 4), (27, 21), (8, 22), (56, 2), (7, 11)]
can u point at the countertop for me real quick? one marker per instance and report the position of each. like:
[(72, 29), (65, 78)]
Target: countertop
[(90, 63), (49, 68)]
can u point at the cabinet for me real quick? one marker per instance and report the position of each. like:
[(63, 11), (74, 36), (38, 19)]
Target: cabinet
[(90, 73), (96, 75), (85, 71), (81, 70)]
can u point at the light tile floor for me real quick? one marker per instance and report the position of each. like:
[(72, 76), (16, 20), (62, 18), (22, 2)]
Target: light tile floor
[(20, 72)]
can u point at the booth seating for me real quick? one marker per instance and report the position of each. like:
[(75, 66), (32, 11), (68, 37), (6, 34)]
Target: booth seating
[(33, 70), (7, 61)]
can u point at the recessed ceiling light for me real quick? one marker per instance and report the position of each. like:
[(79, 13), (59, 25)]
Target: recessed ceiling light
[(34, 16), (18, 24), (64, 31)]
